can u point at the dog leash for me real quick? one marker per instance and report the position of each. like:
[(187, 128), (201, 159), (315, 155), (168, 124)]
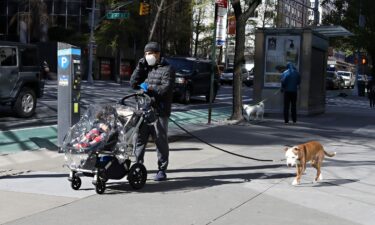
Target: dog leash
[(220, 149), (264, 100)]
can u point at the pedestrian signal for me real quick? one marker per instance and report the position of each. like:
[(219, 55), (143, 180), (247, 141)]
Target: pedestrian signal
[(144, 9)]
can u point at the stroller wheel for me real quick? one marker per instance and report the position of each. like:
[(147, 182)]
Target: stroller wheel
[(76, 183), (100, 187), (137, 176)]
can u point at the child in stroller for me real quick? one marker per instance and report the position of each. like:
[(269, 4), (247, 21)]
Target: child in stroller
[(98, 133), (101, 144)]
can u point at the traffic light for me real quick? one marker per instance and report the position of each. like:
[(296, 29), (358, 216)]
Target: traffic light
[(364, 61), (144, 8)]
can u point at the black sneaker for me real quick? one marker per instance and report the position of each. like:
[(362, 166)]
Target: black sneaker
[(160, 176)]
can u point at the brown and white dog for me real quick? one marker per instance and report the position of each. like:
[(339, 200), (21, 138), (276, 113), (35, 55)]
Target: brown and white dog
[(299, 155)]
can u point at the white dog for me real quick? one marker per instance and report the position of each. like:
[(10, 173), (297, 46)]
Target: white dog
[(253, 112)]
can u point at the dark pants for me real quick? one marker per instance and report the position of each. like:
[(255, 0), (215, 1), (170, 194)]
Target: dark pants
[(371, 97), (290, 101), (159, 131)]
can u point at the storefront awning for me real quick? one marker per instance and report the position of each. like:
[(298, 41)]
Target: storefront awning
[(332, 31)]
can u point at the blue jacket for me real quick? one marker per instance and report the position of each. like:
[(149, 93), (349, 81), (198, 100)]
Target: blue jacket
[(290, 79)]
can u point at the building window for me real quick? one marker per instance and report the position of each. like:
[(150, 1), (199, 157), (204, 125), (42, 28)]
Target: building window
[(268, 14), (254, 14), (287, 20)]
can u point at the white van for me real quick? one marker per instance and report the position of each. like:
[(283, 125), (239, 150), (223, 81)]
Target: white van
[(348, 77)]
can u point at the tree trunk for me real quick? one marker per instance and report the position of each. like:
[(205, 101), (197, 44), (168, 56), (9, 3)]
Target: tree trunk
[(238, 63), (239, 55), (155, 20), (197, 32), (118, 77)]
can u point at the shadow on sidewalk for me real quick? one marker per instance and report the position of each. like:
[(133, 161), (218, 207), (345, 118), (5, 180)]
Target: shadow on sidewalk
[(26, 175), (191, 183)]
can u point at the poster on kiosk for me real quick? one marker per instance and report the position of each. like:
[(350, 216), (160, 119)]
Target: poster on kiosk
[(68, 88), (279, 51)]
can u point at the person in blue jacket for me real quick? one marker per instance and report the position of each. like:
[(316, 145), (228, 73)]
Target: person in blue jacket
[(290, 81)]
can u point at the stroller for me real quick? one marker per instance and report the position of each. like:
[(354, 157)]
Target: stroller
[(101, 144)]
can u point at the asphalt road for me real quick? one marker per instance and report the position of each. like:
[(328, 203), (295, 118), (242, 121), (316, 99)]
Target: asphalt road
[(101, 92)]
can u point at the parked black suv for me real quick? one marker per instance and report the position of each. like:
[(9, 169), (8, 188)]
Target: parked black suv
[(193, 78), (20, 79)]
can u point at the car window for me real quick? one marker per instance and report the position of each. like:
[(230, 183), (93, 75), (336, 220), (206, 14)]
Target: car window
[(204, 67), (228, 70), (8, 56), (29, 57), (347, 74), (208, 67), (181, 65), (330, 74)]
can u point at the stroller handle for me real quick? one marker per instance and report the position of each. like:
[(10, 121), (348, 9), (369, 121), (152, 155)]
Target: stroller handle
[(139, 93)]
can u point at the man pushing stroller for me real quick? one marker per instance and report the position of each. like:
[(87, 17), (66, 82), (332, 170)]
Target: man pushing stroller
[(155, 76)]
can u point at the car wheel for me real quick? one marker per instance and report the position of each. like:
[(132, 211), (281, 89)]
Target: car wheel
[(25, 104), (343, 85)]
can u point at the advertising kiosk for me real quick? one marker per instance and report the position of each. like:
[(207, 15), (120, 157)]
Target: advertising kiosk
[(307, 50)]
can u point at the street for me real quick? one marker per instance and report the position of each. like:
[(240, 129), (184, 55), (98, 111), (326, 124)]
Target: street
[(207, 186), (40, 131), (109, 92), (101, 92)]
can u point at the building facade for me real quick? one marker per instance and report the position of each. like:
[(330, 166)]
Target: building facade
[(292, 13), (29, 20), (324, 10), (270, 13)]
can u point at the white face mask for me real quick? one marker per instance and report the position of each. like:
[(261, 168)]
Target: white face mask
[(151, 60)]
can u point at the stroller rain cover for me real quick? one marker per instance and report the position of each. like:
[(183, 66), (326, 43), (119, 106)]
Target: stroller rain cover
[(98, 125)]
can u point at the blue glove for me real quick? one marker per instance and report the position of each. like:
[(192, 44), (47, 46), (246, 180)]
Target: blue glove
[(144, 86)]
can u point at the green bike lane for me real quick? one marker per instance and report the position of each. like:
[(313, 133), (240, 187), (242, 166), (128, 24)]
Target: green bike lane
[(35, 138)]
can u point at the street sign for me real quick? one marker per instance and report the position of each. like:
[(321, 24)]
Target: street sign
[(117, 15)]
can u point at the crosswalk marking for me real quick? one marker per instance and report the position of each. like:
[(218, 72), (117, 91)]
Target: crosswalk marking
[(366, 131)]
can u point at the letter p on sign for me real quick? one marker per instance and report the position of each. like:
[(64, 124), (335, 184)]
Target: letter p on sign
[(63, 62)]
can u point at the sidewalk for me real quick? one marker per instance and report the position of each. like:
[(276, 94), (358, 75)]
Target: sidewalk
[(207, 186)]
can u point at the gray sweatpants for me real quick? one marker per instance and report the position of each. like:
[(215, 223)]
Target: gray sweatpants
[(159, 131)]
